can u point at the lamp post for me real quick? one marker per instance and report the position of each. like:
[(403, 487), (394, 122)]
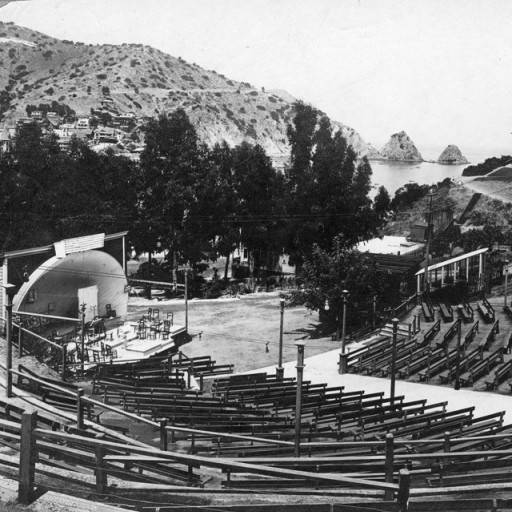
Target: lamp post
[(10, 290), (343, 356), (394, 321), (298, 396), (506, 284), (280, 369)]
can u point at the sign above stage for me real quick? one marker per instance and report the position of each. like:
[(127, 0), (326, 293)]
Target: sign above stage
[(79, 244)]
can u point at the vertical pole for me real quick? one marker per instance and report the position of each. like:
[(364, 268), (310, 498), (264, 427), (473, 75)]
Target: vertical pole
[(404, 485), (506, 284), (457, 368), (163, 435), (186, 300), (27, 457), (298, 396), (101, 473), (20, 341), (64, 352), (389, 464), (79, 409), (82, 338), (343, 356), (280, 369), (8, 336), (374, 311), (393, 361), (429, 237)]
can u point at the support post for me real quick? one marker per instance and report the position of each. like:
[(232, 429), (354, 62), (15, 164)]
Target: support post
[(20, 342), (101, 472), (298, 396), (64, 355), (374, 311), (506, 284), (27, 458), (457, 368), (280, 369), (8, 338), (393, 362), (186, 300), (82, 338), (163, 435), (404, 485), (343, 357), (79, 409), (390, 442)]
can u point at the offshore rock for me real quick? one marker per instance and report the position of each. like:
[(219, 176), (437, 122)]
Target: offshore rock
[(401, 148), (452, 155)]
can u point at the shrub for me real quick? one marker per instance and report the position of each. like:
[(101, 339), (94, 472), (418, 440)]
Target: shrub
[(49, 91), (260, 107)]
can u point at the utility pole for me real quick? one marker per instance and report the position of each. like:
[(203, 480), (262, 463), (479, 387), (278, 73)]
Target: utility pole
[(393, 362), (298, 396), (343, 356), (280, 369), (10, 290), (430, 226), (82, 337)]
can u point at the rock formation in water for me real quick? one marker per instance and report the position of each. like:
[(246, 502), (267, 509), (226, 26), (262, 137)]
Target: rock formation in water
[(401, 148), (452, 155), (373, 153)]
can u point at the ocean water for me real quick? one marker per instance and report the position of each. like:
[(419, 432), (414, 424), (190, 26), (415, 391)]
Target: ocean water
[(394, 175)]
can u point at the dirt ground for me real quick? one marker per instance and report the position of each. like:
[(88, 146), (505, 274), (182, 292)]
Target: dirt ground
[(240, 331)]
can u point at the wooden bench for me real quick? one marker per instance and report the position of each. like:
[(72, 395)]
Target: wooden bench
[(486, 310), (446, 312), (501, 373), (452, 331), (491, 335), (481, 368), (466, 312), (470, 335)]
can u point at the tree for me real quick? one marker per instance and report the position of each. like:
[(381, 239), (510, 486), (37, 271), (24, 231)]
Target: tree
[(171, 166), (382, 202), (258, 189), (326, 185), (326, 273)]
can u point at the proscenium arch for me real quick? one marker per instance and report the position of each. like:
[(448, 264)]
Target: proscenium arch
[(53, 286)]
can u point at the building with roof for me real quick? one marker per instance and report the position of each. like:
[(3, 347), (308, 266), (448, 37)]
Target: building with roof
[(468, 267), (397, 245), (57, 279)]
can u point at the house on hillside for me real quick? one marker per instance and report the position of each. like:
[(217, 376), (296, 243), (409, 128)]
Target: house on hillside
[(107, 135), (6, 139)]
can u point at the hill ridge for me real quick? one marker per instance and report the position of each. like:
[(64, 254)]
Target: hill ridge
[(145, 81)]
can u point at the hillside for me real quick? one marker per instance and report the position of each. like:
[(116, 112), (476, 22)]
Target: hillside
[(138, 79)]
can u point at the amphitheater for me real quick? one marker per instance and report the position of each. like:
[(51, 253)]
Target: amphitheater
[(175, 433)]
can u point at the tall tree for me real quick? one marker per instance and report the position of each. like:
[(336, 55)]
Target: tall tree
[(171, 178), (327, 187)]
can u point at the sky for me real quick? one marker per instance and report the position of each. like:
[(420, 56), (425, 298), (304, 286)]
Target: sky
[(440, 70)]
